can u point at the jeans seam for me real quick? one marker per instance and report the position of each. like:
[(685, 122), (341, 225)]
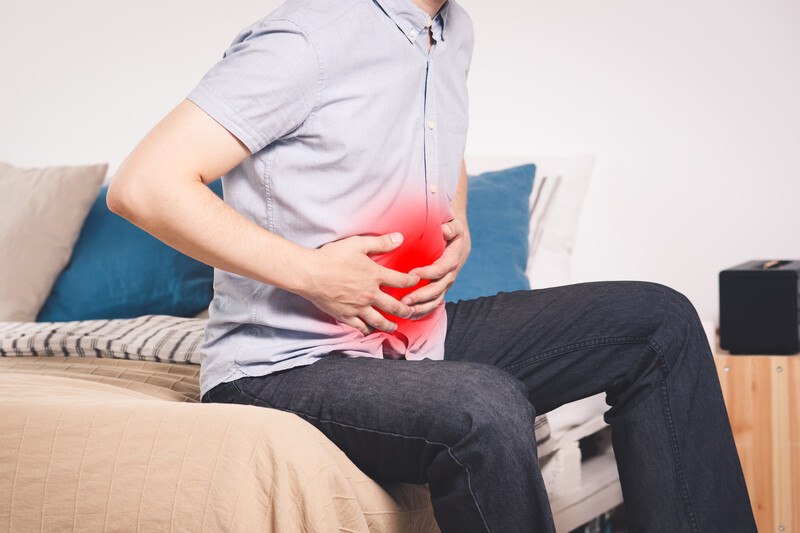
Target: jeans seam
[(265, 404), (676, 455), (590, 343), (240, 391), (469, 486), (654, 345), (446, 446)]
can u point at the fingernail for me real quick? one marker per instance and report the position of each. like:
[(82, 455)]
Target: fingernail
[(406, 300), (396, 237)]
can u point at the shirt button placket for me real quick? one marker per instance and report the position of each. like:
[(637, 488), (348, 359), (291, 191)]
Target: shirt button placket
[(431, 141)]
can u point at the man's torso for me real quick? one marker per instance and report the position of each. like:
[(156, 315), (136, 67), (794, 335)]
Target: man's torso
[(384, 141)]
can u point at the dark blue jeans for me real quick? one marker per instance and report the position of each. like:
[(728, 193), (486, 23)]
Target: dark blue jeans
[(464, 425)]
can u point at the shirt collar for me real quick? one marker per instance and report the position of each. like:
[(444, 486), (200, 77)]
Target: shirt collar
[(411, 19)]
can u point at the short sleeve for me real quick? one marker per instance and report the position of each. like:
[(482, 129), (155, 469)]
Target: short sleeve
[(266, 84)]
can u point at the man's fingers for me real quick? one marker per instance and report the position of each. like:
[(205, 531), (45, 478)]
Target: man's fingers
[(358, 324), (394, 278), (452, 228), (437, 269), (424, 308), (429, 292), (380, 243), (377, 320), (392, 306)]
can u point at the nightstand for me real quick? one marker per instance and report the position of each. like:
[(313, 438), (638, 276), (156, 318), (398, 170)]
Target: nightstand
[(762, 394)]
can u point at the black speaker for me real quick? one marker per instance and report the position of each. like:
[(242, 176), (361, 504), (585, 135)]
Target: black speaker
[(759, 307)]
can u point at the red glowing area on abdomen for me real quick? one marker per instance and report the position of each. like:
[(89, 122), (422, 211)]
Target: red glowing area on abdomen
[(423, 243)]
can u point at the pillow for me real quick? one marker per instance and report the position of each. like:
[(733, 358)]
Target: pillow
[(554, 230), (498, 217), (42, 213), (556, 204), (118, 270), (158, 338)]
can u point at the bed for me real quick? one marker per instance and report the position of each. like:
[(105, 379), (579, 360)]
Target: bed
[(98, 445), (102, 429)]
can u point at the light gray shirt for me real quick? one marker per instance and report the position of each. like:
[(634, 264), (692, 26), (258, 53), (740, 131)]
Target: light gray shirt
[(348, 116)]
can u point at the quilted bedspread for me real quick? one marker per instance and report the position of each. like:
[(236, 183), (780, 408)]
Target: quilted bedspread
[(90, 444), (101, 429)]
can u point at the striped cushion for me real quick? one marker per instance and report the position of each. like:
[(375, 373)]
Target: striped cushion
[(159, 338)]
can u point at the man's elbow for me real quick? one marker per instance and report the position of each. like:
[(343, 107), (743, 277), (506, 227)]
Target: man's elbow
[(115, 197), (113, 200), (124, 197)]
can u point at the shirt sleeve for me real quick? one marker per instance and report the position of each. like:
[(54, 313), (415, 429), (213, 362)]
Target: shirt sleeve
[(266, 84)]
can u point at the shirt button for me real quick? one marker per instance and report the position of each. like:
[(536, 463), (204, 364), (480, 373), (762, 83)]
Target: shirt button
[(433, 188), (431, 124), (429, 23), (412, 33)]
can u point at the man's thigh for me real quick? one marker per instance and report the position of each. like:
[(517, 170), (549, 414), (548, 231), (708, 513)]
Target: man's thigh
[(572, 341), (392, 417)]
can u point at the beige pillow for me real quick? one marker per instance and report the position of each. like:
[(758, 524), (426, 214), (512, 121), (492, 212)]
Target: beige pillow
[(41, 214)]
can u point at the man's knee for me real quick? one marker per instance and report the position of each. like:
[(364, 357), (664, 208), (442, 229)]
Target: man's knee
[(669, 296), (676, 330), (489, 403), (656, 303)]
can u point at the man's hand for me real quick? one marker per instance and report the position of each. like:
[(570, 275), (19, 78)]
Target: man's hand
[(443, 271), (344, 282)]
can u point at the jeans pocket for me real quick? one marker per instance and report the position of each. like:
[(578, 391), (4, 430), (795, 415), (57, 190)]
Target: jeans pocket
[(225, 392), (264, 390), (259, 390)]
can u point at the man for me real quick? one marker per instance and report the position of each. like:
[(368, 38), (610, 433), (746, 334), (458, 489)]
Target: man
[(334, 125)]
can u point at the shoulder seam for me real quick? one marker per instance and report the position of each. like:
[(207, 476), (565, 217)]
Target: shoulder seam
[(320, 68)]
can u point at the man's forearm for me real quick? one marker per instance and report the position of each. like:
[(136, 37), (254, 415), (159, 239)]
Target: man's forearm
[(459, 203), (161, 187), (195, 221)]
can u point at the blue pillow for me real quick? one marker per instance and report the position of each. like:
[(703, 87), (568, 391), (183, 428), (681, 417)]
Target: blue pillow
[(498, 218), (118, 270)]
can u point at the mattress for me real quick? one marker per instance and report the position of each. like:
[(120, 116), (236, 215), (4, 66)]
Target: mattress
[(154, 338), (101, 429), (106, 444)]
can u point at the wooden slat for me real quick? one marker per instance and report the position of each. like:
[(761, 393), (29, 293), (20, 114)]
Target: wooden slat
[(762, 394), (794, 438)]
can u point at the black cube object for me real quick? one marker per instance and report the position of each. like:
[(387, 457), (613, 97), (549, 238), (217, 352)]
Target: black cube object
[(759, 307)]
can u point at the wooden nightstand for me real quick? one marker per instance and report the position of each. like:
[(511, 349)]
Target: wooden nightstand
[(762, 394)]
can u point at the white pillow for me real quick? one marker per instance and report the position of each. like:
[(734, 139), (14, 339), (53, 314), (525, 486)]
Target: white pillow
[(556, 202), (42, 211)]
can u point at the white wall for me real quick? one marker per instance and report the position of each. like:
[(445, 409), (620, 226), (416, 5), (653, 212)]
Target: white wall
[(691, 107)]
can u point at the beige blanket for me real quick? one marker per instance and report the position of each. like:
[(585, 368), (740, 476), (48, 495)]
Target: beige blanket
[(92, 444)]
